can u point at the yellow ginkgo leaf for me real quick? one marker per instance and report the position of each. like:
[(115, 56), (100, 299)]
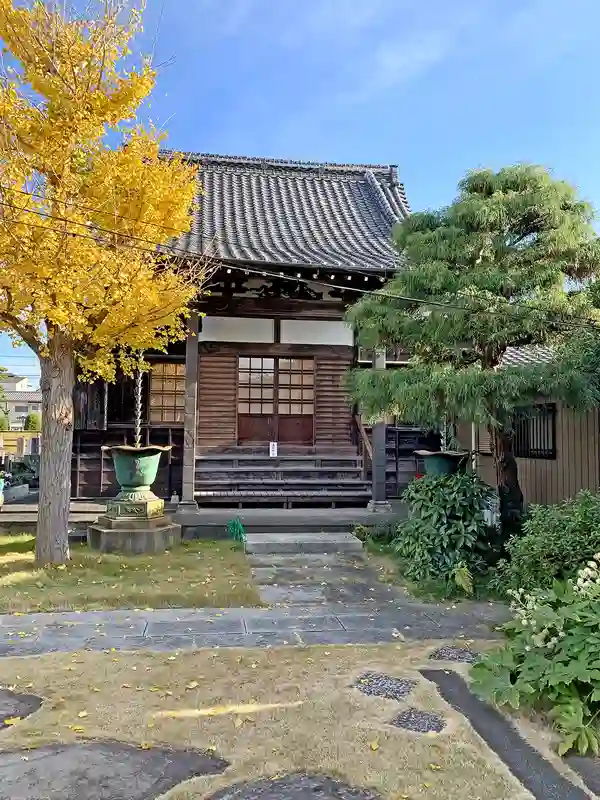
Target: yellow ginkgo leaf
[(145, 746), (76, 728), (12, 720), (374, 746)]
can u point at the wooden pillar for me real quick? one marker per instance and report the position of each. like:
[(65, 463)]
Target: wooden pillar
[(190, 422), (379, 501)]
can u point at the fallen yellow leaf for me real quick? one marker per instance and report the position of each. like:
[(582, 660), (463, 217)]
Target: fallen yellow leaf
[(12, 720), (82, 714), (145, 746), (374, 746), (214, 711)]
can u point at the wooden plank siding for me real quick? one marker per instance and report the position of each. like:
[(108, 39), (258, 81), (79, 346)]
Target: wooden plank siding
[(217, 392), (217, 399), (575, 467), (333, 410)]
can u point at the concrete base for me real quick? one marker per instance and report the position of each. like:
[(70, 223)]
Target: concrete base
[(134, 527), (186, 507), (156, 538), (379, 506)]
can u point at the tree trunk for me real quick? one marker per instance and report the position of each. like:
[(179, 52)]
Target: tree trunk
[(58, 382), (507, 470)]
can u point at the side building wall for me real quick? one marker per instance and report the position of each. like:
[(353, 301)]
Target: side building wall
[(545, 480)]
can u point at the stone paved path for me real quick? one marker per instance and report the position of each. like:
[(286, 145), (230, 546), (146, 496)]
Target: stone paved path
[(188, 629)]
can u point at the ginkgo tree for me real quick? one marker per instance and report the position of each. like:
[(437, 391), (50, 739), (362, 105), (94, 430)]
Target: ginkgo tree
[(83, 279)]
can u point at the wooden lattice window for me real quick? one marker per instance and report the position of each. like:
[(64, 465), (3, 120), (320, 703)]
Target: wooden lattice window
[(167, 393), (296, 386), (256, 385)]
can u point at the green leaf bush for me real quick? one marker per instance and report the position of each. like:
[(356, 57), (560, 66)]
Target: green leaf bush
[(551, 662), (556, 541), (446, 535)]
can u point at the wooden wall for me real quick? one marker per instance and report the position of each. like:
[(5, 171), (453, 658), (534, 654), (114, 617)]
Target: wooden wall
[(217, 392), (333, 413), (217, 399), (575, 467)]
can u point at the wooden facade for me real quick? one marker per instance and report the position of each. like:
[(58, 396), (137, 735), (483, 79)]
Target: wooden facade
[(294, 244), (574, 465)]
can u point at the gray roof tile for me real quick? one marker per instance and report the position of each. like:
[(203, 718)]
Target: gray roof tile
[(296, 213), (31, 396), (527, 356)]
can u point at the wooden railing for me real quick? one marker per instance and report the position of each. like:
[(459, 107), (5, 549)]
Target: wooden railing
[(365, 446)]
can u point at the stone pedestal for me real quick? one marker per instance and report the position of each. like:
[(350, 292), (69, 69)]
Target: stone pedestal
[(134, 527)]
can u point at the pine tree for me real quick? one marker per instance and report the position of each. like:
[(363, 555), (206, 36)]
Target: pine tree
[(486, 273)]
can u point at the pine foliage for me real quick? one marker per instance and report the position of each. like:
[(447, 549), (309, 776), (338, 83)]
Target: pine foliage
[(484, 274)]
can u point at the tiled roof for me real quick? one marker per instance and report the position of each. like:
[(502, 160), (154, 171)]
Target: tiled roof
[(10, 376), (296, 213), (33, 396), (527, 356)]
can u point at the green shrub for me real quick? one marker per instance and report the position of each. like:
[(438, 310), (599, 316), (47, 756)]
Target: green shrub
[(375, 534), (551, 662), (33, 421), (446, 536), (556, 541)]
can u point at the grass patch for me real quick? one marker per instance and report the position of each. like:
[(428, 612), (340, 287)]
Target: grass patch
[(389, 569), (268, 712), (197, 574)]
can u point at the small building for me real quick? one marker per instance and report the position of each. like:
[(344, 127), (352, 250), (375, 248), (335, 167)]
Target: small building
[(18, 399), (254, 403), (557, 449)]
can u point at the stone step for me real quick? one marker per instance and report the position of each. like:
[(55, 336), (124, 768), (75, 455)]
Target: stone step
[(269, 543)]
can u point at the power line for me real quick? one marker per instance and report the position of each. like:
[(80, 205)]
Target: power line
[(298, 279)]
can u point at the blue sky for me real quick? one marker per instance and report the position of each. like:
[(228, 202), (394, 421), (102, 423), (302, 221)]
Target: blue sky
[(432, 86)]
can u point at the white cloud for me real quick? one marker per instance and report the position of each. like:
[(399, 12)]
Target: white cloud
[(396, 62)]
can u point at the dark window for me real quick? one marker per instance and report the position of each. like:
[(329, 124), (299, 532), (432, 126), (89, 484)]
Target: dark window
[(121, 400), (535, 432)]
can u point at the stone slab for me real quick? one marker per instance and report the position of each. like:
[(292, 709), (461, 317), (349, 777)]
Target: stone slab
[(536, 774), (294, 787), (14, 704), (132, 643), (276, 544), (261, 624), (100, 770), (193, 626), (134, 542), (588, 769), (291, 595)]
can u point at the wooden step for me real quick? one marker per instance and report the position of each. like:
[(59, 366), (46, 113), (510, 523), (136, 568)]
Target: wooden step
[(283, 482), (205, 468), (317, 459), (287, 498)]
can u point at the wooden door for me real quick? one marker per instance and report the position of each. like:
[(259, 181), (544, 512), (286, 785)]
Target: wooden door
[(256, 399), (296, 400), (276, 400)]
